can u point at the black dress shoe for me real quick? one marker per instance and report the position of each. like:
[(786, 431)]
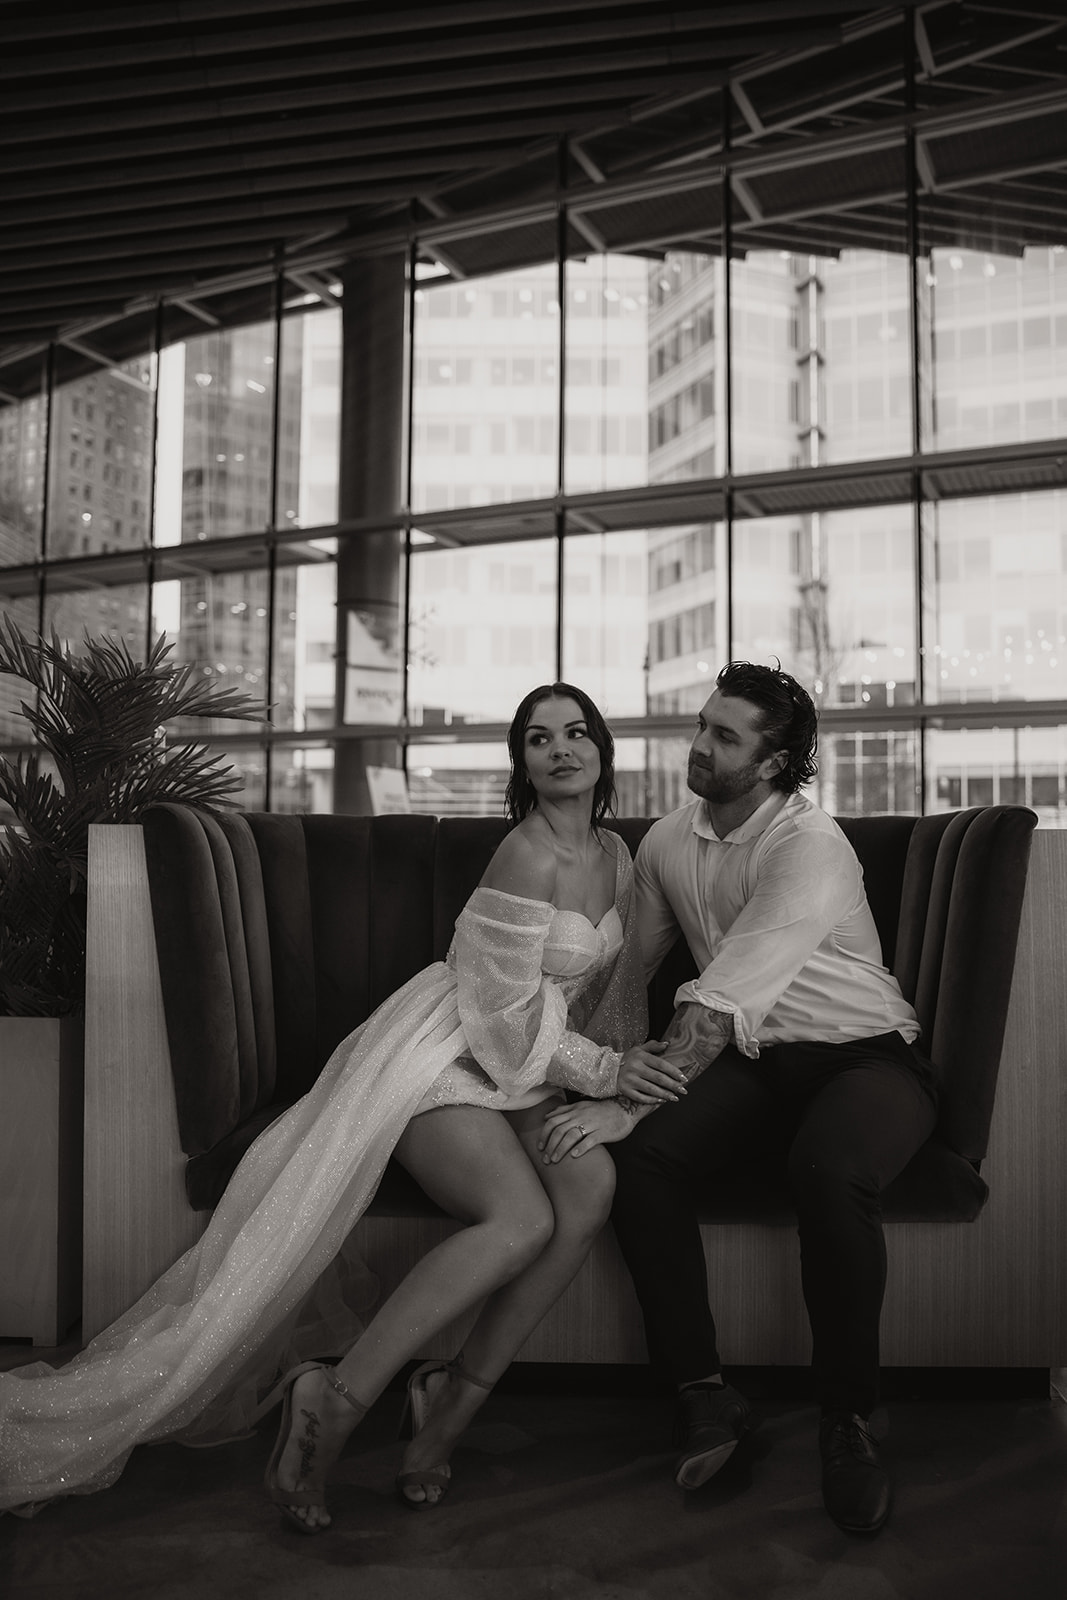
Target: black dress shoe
[(855, 1486), (711, 1418)]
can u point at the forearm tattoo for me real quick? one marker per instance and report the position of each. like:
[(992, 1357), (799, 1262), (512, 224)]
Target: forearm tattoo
[(695, 1037)]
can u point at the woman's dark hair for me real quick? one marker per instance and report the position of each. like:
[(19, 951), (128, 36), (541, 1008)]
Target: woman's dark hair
[(790, 721), (520, 797)]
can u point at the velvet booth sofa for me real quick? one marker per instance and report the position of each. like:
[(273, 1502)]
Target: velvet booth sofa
[(252, 943)]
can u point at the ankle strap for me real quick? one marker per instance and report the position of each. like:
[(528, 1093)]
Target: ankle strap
[(456, 1366), (345, 1391)]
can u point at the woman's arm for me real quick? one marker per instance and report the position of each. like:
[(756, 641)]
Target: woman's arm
[(515, 1020)]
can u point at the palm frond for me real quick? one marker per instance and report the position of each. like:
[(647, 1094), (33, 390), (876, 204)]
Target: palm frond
[(100, 717)]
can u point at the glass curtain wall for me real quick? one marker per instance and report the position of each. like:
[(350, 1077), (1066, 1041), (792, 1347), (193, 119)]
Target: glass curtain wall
[(628, 465), (167, 496)]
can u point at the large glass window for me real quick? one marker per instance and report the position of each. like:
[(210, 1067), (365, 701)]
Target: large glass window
[(306, 612), (686, 370), (100, 480), (464, 780), (869, 773), (119, 611), (14, 728), (216, 436), (713, 488), (486, 390), (998, 345), (301, 779), (310, 421), (995, 581), (219, 623), (1024, 766), (605, 619), (687, 615), (606, 434), (482, 630), (821, 359), (832, 596), (23, 471)]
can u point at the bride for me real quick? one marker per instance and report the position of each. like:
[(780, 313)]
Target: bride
[(461, 1076)]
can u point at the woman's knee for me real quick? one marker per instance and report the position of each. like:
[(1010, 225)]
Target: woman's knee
[(523, 1228), (583, 1202)]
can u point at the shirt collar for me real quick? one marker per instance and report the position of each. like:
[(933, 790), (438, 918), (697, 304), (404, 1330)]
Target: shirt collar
[(750, 829)]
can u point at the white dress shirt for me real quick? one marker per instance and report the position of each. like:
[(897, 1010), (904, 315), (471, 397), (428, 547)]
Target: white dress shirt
[(776, 917)]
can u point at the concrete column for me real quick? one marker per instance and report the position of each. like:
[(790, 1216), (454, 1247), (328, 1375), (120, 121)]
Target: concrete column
[(369, 634)]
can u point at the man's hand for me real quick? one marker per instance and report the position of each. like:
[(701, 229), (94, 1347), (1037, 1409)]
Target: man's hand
[(644, 1078), (576, 1129), (694, 1037)]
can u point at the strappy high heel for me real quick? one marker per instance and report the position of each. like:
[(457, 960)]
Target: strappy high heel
[(413, 1420), (286, 1499)]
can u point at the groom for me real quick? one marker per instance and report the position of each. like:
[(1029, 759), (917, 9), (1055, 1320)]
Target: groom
[(795, 1040)]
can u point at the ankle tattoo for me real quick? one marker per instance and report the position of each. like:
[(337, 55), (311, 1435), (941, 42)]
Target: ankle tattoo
[(308, 1442)]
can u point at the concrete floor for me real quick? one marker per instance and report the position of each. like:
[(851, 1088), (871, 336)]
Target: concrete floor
[(564, 1491)]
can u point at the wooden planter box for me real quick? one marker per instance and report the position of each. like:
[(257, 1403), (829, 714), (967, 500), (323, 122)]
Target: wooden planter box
[(41, 1078)]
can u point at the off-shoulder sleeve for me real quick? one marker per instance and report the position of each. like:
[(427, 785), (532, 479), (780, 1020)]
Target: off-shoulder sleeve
[(515, 1020)]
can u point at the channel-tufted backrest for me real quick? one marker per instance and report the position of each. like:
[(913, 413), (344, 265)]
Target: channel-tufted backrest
[(277, 935)]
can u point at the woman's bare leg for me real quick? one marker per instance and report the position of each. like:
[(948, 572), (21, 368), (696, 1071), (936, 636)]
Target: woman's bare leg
[(581, 1192), (472, 1163)]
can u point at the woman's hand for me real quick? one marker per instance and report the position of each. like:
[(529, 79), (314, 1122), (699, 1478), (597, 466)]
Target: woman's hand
[(576, 1129), (645, 1078)]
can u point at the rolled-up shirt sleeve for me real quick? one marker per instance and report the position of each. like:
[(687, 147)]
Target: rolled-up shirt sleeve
[(802, 886)]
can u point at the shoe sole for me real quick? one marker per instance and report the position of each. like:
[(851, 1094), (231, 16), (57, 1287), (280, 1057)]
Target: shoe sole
[(696, 1470), (861, 1530)]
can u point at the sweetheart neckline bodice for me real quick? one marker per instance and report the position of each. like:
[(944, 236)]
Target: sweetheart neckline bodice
[(565, 911)]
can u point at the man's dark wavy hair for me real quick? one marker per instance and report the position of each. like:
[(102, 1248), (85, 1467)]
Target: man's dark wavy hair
[(520, 797), (790, 721)]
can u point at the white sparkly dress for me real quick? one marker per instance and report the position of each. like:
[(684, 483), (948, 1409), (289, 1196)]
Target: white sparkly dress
[(528, 997)]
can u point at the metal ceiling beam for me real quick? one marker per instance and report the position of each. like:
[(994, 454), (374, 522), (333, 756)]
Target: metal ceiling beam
[(33, 246), (423, 160), (404, 125), (41, 24), (196, 310), (407, 89), (673, 36), (135, 209), (178, 228), (168, 37)]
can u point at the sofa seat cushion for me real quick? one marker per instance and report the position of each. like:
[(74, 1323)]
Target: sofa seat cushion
[(937, 1185), (400, 1196), (207, 1175)]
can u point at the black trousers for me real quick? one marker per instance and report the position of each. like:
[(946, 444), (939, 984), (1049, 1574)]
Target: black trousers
[(846, 1118)]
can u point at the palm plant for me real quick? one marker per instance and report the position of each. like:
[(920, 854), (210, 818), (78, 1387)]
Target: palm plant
[(99, 718)]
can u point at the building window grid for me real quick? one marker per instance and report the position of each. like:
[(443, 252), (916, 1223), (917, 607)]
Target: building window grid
[(691, 628)]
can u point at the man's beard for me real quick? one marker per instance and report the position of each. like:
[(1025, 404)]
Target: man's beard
[(721, 790)]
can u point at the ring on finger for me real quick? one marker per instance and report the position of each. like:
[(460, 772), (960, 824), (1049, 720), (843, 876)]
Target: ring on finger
[(581, 1129)]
